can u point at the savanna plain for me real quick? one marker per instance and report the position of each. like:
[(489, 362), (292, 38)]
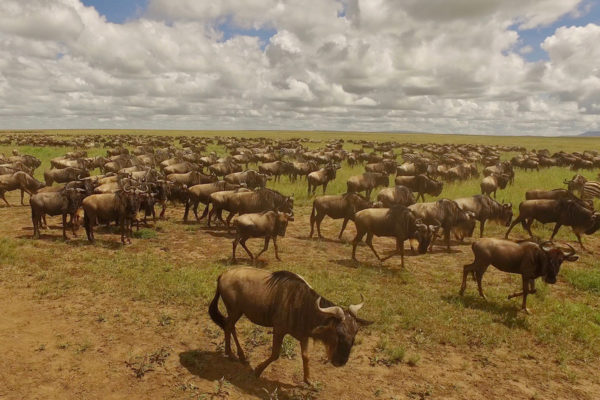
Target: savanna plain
[(102, 321)]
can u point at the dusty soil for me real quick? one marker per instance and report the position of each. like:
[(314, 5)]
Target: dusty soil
[(85, 345)]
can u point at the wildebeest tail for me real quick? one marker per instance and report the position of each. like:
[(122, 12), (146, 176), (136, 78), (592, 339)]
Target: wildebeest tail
[(313, 213), (213, 309)]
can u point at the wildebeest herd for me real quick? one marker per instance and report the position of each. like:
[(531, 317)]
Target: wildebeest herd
[(139, 173)]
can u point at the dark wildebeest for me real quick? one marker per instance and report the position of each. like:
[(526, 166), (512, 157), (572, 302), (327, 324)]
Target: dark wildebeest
[(285, 302), (554, 194), (367, 182), (181, 168), (321, 178), (219, 203), (260, 200), (64, 175), (121, 206), (252, 179), (564, 212), (397, 195), (484, 208), (491, 183), (527, 259), (19, 181), (421, 184), (191, 178), (444, 213), (276, 169), (201, 194), (384, 167), (224, 168), (65, 202), (268, 224), (336, 206), (302, 169), (398, 222)]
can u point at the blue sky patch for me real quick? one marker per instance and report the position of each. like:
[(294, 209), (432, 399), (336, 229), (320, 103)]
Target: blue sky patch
[(230, 30), (118, 11)]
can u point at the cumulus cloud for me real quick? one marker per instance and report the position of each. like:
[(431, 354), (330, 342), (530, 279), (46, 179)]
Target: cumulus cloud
[(444, 66)]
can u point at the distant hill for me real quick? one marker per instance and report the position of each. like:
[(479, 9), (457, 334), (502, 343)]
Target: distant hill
[(590, 133)]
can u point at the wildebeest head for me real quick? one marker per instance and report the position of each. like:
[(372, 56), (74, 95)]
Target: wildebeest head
[(424, 235), (594, 223), (339, 331), (506, 214), (282, 220), (436, 188), (554, 259)]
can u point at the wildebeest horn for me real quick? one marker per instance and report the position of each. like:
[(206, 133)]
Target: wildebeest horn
[(566, 182), (78, 177), (353, 308), (126, 188), (571, 251), (335, 311), (547, 245)]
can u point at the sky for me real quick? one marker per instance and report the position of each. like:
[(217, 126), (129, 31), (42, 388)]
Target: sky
[(511, 67)]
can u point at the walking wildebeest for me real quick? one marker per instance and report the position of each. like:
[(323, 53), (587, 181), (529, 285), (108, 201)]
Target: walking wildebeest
[(398, 222), (528, 259), (260, 200), (252, 179), (285, 302), (490, 184), (19, 181), (64, 175), (201, 194), (268, 224), (336, 206), (367, 182), (564, 212), (484, 208), (421, 184), (321, 178), (65, 202)]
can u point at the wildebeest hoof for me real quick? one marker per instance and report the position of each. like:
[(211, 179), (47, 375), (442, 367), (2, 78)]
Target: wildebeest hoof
[(526, 311)]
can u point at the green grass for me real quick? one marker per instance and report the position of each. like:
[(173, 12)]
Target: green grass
[(588, 280)]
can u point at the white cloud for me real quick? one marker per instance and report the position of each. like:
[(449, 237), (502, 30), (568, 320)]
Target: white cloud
[(447, 66)]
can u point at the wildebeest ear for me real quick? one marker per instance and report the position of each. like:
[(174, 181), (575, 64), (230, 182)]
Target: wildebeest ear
[(573, 257), (363, 322)]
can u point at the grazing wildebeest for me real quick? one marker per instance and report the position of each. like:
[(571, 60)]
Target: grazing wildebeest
[(285, 302), (484, 208), (367, 182), (19, 181), (321, 178), (252, 179), (491, 183), (421, 184), (336, 206), (563, 212), (527, 259), (64, 175), (444, 213), (268, 224), (121, 206), (398, 222), (396, 195), (201, 194), (65, 202)]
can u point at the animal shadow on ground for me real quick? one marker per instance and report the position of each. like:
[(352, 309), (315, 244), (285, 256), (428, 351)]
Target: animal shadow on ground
[(241, 261), (506, 313), (317, 239), (219, 234), (76, 241), (213, 366)]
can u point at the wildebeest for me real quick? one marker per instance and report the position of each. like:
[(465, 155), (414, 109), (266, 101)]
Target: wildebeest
[(302, 169), (275, 169), (260, 200), (398, 222), (563, 212), (396, 195), (367, 182), (252, 179), (384, 167), (321, 178), (554, 194), (268, 224), (121, 206), (224, 168), (484, 208), (64, 175), (421, 184), (65, 202), (444, 213), (285, 302), (191, 178), (528, 259), (336, 206), (490, 184), (181, 168), (201, 194), (19, 181)]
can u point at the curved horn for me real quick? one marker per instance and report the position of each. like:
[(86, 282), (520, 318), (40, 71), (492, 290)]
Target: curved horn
[(547, 245), (78, 176), (571, 251), (126, 188), (353, 308), (334, 311)]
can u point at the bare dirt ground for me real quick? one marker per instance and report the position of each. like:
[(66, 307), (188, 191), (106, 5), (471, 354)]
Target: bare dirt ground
[(98, 345)]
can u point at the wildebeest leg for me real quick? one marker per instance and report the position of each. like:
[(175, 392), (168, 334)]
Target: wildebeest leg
[(343, 227), (357, 238), (309, 188), (267, 238), (368, 193), (479, 276), (304, 351), (22, 203), (88, 227), (447, 239), (525, 291), (164, 208), (243, 243), (325, 187), (466, 269), (64, 226), (276, 249), (229, 218), (579, 240), (235, 243), (527, 226), (4, 198), (232, 318), (195, 209), (186, 212), (512, 225), (555, 231), (210, 214), (36, 221), (277, 342), (481, 226), (369, 242), (204, 213)]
